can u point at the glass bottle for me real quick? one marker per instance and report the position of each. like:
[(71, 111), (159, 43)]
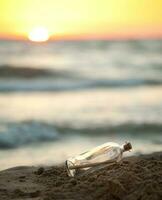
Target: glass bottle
[(105, 154)]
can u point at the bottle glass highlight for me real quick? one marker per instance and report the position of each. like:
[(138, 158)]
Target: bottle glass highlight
[(105, 154)]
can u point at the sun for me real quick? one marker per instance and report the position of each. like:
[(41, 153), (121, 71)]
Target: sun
[(38, 34)]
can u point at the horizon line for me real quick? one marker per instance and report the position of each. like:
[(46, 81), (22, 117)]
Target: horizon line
[(83, 37)]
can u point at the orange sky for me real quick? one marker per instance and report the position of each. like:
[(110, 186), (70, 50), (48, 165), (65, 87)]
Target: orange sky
[(82, 18)]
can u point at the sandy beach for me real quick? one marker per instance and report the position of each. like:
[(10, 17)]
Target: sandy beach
[(136, 178)]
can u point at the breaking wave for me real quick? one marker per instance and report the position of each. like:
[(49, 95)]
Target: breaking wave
[(43, 85), (13, 135)]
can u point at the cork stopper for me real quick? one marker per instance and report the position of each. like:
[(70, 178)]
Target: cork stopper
[(127, 146)]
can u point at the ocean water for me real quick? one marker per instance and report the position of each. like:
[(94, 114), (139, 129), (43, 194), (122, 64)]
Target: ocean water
[(60, 98)]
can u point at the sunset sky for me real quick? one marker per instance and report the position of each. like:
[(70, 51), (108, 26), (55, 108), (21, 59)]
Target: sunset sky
[(82, 18)]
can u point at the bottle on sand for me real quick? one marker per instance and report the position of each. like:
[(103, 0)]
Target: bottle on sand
[(105, 154)]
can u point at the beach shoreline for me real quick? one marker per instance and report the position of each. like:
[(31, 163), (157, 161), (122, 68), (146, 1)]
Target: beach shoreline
[(137, 177)]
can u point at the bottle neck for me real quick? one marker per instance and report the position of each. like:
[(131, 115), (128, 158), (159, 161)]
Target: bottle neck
[(122, 149)]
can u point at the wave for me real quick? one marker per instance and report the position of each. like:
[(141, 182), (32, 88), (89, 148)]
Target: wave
[(17, 134), (13, 135), (15, 79), (43, 85), (129, 127), (7, 71), (24, 72)]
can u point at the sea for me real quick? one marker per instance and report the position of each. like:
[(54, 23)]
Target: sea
[(61, 98)]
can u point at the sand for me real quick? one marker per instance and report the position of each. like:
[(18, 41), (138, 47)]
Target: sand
[(136, 178)]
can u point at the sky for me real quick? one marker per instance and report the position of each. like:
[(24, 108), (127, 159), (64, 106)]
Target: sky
[(82, 18)]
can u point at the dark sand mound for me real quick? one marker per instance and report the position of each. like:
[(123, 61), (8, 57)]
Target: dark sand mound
[(137, 178)]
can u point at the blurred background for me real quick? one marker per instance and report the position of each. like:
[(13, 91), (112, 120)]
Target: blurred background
[(78, 73)]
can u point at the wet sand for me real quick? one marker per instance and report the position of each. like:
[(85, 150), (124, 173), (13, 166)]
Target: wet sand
[(136, 178)]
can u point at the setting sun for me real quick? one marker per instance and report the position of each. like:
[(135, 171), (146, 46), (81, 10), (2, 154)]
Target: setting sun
[(77, 19), (38, 34)]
